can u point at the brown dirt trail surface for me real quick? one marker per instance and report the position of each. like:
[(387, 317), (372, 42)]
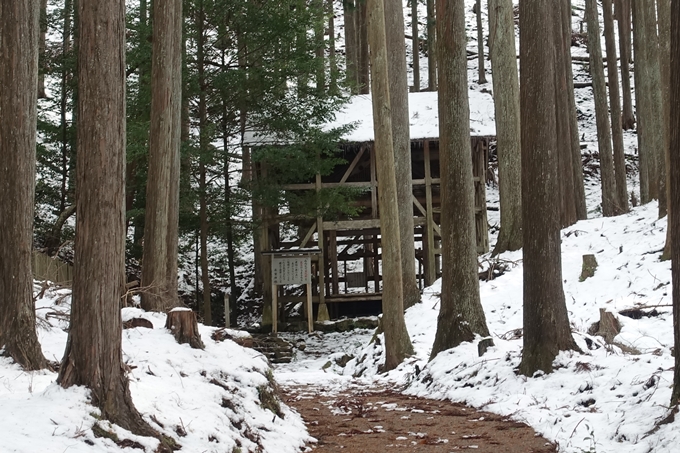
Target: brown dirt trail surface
[(380, 420)]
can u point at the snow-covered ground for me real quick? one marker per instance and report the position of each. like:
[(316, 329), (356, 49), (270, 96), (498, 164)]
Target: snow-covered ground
[(212, 400)]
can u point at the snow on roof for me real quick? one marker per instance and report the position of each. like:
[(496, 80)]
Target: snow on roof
[(423, 117)]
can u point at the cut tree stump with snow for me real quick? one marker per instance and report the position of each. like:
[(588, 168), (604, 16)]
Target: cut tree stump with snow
[(184, 326), (589, 266), (608, 327)]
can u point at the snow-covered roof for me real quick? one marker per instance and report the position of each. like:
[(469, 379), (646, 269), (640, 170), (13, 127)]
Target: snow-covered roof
[(423, 117)]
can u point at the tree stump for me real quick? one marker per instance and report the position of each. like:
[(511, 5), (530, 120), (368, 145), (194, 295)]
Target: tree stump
[(607, 327), (184, 326), (589, 266)]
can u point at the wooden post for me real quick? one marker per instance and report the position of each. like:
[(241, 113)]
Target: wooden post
[(275, 309), (333, 251), (428, 231), (322, 315), (310, 311)]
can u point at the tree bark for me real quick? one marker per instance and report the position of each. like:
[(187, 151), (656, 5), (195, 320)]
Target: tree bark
[(481, 79), (362, 40), (41, 49), (546, 324), (19, 28), (203, 157), (664, 14), (431, 46), (93, 355), (506, 105), (624, 25), (397, 341), (674, 200), (461, 316), (332, 58), (159, 263), (401, 140), (415, 44), (663, 10), (351, 46), (620, 174), (564, 156), (610, 206)]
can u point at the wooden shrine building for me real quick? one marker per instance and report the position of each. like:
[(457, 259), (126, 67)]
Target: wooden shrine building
[(345, 253)]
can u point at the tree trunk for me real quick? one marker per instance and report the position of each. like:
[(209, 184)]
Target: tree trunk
[(481, 79), (615, 105), (203, 157), (415, 44), (664, 14), (642, 103), (205, 271), (663, 10), (461, 315), (401, 140), (624, 23), (332, 58), (397, 341), (546, 324), (19, 28), (93, 355), (41, 49), (648, 96), (604, 145), (564, 156), (351, 46), (320, 43), (506, 105), (674, 200), (159, 263), (228, 224), (431, 46), (362, 41)]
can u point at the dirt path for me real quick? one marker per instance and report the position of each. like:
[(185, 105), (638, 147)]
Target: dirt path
[(357, 420)]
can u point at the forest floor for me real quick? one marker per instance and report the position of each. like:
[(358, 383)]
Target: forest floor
[(370, 414), (371, 420)]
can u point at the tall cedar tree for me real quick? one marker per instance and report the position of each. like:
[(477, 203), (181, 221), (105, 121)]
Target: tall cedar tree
[(604, 144), (93, 356), (546, 323), (506, 105), (431, 46), (161, 230), (615, 106), (18, 120), (401, 139), (648, 101), (623, 12), (461, 315), (397, 342), (675, 189)]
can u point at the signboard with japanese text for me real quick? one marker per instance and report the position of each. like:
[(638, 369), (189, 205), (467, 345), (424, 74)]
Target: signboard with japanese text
[(291, 270)]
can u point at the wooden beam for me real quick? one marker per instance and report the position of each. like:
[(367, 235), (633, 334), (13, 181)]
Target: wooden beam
[(428, 243), (353, 164), (308, 236), (374, 185), (424, 212)]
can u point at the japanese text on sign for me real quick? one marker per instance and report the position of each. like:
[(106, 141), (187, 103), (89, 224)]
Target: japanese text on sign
[(291, 270)]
